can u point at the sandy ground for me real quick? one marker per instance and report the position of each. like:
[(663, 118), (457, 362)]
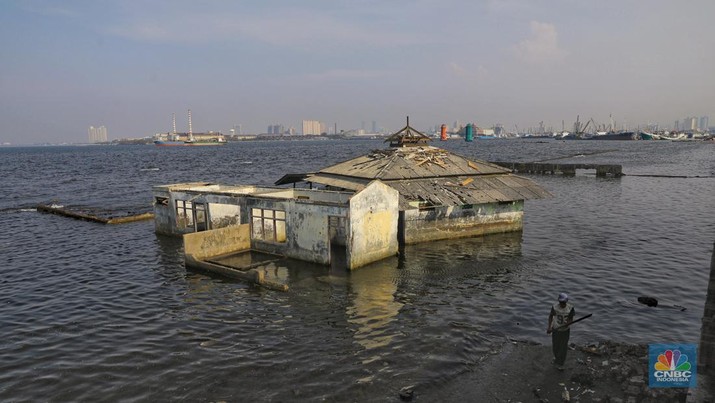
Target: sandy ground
[(522, 372)]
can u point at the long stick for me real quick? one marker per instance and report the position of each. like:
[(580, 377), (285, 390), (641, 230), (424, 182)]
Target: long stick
[(577, 320)]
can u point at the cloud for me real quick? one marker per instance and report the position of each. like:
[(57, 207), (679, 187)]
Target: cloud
[(542, 47)]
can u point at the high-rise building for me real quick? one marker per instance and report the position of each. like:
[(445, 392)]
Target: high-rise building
[(313, 127), (97, 134), (704, 122), (374, 126), (692, 123), (276, 129)]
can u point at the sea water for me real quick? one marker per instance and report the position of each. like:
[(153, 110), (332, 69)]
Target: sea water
[(98, 312)]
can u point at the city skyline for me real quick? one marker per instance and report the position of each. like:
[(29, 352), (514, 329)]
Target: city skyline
[(514, 62)]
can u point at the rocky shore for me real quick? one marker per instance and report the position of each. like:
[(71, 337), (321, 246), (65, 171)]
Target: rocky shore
[(523, 372)]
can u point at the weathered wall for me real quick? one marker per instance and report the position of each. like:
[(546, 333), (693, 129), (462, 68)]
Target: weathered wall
[(462, 221), (373, 224), (223, 211), (223, 215), (306, 229), (205, 244), (163, 213)]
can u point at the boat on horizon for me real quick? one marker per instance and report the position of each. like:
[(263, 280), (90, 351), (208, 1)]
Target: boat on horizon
[(169, 143), (623, 135)]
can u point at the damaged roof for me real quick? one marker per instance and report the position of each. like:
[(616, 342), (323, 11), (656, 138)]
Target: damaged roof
[(428, 176), (411, 163)]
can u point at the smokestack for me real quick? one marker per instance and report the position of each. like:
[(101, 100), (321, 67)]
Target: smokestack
[(190, 131)]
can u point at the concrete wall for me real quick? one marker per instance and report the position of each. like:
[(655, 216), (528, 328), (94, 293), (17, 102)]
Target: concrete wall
[(369, 223), (373, 225), (205, 244), (163, 213), (223, 215), (462, 221), (223, 211), (307, 235)]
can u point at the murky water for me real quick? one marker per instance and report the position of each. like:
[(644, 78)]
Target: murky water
[(93, 312)]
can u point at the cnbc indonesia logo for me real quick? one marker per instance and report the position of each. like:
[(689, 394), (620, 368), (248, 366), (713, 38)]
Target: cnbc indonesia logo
[(671, 366)]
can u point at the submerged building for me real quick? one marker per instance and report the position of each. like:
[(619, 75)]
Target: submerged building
[(358, 211), (441, 195)]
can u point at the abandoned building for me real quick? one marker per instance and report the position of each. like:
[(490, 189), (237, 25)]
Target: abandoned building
[(441, 195), (367, 207)]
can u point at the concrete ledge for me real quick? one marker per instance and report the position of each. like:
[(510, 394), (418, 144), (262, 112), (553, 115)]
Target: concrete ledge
[(205, 244), (252, 275)]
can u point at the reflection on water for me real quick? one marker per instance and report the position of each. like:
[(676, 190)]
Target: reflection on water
[(373, 306)]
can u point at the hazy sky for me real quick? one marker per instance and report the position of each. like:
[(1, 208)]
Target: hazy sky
[(127, 65)]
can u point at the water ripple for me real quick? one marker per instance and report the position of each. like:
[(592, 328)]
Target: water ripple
[(96, 312)]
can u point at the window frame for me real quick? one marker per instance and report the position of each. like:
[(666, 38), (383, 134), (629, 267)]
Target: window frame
[(268, 225)]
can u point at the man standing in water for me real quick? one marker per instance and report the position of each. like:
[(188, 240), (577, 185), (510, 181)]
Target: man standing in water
[(560, 318)]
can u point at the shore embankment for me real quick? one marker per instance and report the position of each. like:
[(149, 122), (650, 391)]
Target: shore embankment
[(522, 372)]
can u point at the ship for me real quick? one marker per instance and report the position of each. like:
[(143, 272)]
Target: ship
[(188, 139), (623, 135)]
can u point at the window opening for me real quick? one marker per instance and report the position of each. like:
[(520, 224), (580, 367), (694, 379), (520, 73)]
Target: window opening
[(201, 221), (268, 225), (184, 214)]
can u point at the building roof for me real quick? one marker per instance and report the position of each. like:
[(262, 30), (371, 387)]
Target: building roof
[(428, 176), (408, 137)]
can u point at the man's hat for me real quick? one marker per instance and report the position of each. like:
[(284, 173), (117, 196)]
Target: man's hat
[(563, 297)]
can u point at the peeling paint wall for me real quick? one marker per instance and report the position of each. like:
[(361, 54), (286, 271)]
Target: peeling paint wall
[(163, 213), (299, 227), (373, 224), (223, 211), (462, 221), (306, 229), (205, 244), (224, 215)]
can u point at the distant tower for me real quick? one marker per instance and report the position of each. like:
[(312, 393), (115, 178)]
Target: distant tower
[(469, 132), (191, 132), (173, 121), (443, 132)]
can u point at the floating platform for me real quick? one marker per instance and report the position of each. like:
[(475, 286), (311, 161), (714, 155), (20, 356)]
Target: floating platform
[(94, 216)]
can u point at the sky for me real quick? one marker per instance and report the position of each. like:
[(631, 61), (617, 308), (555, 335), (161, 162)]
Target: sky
[(128, 65)]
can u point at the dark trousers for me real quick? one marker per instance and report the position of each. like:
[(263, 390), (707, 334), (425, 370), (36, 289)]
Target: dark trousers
[(560, 345)]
